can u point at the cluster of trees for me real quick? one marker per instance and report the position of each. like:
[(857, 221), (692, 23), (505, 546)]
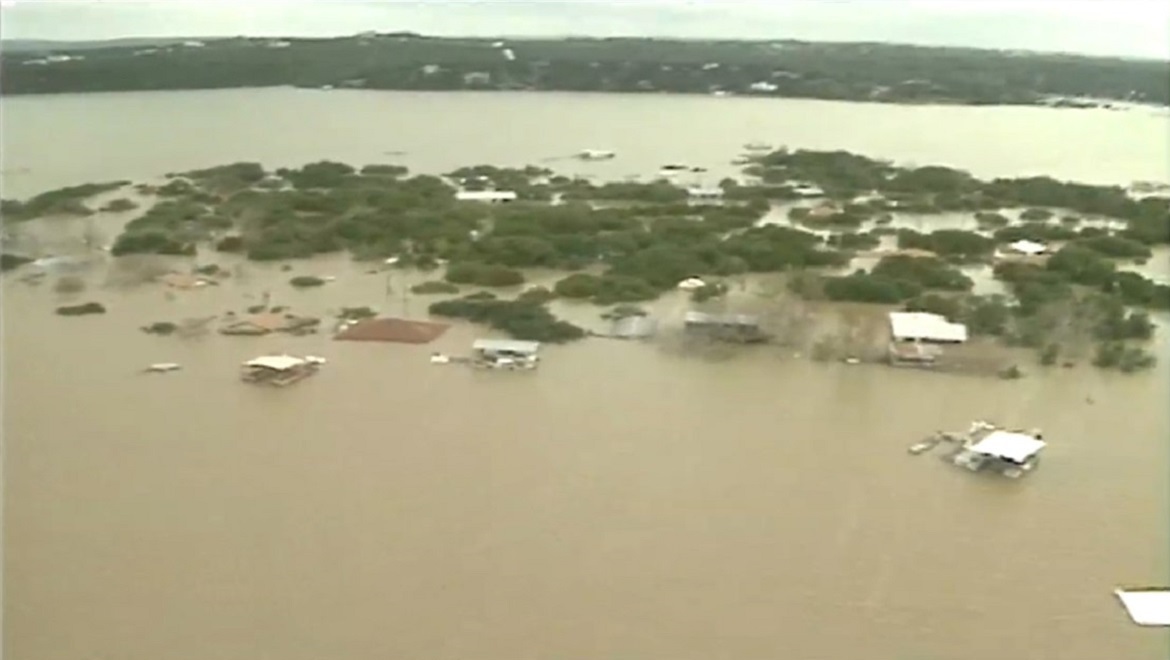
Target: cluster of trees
[(895, 279), (172, 226), (934, 188), (524, 318), (62, 201), (867, 72)]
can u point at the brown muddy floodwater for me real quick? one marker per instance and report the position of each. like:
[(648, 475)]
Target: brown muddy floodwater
[(624, 501)]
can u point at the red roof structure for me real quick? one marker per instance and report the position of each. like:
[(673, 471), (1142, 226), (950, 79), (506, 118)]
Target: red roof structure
[(403, 331)]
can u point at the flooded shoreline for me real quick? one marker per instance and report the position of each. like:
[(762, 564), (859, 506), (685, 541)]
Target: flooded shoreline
[(622, 500)]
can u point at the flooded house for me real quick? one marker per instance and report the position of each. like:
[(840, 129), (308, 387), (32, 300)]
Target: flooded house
[(735, 328), (505, 354), (1012, 453), (279, 370), (918, 338)]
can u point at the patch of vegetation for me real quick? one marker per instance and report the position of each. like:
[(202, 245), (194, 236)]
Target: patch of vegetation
[(482, 274), (991, 220), (119, 205), (1036, 215), (82, 309), (306, 281), (434, 287), (9, 261), (521, 319), (951, 244), (163, 328), (854, 241), (62, 201), (605, 289)]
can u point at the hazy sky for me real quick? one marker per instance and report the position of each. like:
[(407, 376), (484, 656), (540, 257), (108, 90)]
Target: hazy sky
[(1139, 28)]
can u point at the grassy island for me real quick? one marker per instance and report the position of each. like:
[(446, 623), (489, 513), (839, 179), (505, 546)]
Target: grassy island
[(630, 242), (781, 68)]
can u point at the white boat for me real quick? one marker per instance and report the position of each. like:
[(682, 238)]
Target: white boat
[(163, 367), (595, 154)]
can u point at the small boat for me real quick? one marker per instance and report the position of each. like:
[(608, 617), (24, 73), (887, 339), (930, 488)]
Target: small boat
[(675, 167), (162, 367), (595, 154), (924, 446), (757, 146)]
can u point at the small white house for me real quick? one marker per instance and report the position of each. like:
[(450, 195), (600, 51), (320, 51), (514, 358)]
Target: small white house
[(1009, 445), (487, 196), (925, 327), (505, 354), (1029, 248)]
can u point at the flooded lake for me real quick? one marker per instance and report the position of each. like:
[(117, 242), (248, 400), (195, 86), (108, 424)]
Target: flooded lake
[(623, 501)]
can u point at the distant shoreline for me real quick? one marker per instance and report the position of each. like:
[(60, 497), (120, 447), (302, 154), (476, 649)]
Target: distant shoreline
[(860, 72)]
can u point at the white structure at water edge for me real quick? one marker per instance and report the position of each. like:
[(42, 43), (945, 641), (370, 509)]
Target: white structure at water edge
[(925, 327), (488, 196), (505, 354), (1146, 607), (705, 193), (276, 362), (1029, 248)]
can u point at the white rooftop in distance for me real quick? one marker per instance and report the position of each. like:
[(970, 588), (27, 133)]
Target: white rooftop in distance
[(926, 327), (506, 346), (277, 362), (1147, 607), (485, 196), (1018, 447), (1028, 247)]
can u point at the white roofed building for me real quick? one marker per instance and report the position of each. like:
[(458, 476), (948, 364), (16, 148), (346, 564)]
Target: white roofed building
[(925, 327)]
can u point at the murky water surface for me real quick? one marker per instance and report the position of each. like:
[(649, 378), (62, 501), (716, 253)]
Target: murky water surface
[(625, 500)]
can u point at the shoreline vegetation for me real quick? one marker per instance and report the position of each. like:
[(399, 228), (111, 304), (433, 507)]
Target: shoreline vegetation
[(885, 73), (620, 243)]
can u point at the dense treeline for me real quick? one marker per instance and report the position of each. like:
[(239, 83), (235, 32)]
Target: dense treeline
[(869, 72), (935, 189)]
